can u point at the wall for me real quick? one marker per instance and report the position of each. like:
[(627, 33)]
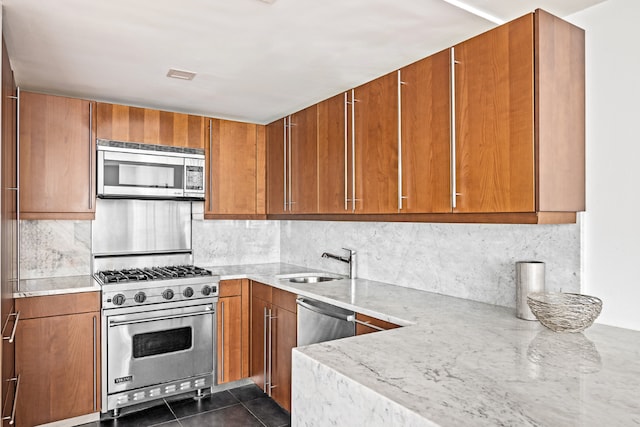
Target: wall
[(611, 226), (464, 260)]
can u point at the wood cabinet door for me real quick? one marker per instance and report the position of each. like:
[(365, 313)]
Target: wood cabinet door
[(64, 384), (276, 174), (303, 160), (376, 145), (230, 339), (494, 120), (284, 335), (144, 125), (333, 145), (426, 142), (232, 159), (259, 325), (57, 157)]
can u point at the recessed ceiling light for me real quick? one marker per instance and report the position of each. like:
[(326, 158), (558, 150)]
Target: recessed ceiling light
[(181, 74), (475, 11)]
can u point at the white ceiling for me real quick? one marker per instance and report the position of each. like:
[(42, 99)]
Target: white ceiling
[(254, 61)]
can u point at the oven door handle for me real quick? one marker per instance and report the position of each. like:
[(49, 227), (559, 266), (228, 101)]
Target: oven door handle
[(113, 323)]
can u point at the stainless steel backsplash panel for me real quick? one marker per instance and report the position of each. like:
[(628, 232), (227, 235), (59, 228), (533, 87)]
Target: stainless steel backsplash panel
[(141, 226)]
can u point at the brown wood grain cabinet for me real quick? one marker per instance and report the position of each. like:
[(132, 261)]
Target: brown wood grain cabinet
[(148, 126), (233, 330), (235, 156), (57, 157), (273, 336), (65, 383), (425, 139), (292, 163), (362, 328), (332, 162)]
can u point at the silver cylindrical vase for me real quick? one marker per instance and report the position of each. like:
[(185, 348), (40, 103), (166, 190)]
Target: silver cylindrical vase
[(529, 278)]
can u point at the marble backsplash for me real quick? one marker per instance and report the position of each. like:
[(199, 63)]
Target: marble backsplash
[(472, 261), (54, 248)]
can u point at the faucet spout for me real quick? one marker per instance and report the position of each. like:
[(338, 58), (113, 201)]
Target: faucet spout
[(350, 259)]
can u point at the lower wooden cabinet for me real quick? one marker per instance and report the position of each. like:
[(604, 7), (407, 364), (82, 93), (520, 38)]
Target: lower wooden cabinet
[(376, 324), (233, 330), (57, 357), (273, 336)]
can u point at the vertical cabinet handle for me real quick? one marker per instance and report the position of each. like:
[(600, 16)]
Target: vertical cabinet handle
[(12, 417), (95, 370), (18, 193), (289, 159), (12, 336), (265, 318), (353, 150), (271, 318), (284, 164), (346, 157), (452, 124), (222, 341), (209, 165), (400, 197), (90, 155)]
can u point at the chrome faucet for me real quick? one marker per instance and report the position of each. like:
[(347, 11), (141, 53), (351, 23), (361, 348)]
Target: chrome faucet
[(350, 259)]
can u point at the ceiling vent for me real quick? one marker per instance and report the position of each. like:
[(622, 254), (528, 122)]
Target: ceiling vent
[(180, 74)]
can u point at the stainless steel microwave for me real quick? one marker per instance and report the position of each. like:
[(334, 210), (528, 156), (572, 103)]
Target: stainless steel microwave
[(146, 171)]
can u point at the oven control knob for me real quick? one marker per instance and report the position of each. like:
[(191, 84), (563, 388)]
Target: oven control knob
[(140, 297), (206, 290), (188, 292), (167, 294), (118, 299)]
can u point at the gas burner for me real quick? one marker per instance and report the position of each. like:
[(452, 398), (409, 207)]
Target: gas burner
[(151, 273)]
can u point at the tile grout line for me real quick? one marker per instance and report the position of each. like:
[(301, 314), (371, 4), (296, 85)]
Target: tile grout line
[(172, 412), (254, 415)]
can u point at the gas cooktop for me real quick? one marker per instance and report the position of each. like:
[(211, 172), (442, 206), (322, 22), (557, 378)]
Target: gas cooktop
[(151, 273)]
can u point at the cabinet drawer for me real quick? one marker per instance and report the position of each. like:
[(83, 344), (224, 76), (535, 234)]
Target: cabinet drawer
[(284, 299), (261, 291), (229, 288), (58, 305)]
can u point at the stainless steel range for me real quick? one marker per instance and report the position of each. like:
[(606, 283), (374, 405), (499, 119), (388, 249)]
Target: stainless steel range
[(158, 310)]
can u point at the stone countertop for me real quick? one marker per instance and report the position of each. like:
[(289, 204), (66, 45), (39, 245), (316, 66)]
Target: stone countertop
[(56, 286)]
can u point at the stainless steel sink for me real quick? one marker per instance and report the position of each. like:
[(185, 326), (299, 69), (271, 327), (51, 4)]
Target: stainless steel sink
[(312, 279)]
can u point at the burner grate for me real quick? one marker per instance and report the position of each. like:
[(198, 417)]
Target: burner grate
[(151, 273)]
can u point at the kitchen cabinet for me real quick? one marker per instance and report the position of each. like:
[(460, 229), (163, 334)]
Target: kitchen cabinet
[(57, 157), (233, 330), (367, 324), (273, 336), (236, 169), (425, 140), (292, 163), (8, 235), (144, 125), (65, 383), (358, 149)]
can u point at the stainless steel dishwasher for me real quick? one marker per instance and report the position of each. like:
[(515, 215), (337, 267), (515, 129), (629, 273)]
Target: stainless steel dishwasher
[(319, 322)]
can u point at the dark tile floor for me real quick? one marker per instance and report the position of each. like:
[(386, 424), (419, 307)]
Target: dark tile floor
[(238, 407)]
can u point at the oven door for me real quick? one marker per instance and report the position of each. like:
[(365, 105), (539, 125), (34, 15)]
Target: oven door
[(153, 347)]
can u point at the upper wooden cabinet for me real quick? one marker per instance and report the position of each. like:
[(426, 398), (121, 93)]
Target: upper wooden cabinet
[(235, 156), (332, 161), (292, 163), (133, 124), (426, 135), (494, 120), (57, 157)]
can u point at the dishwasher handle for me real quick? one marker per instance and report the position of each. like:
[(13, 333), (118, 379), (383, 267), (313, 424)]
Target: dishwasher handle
[(309, 306)]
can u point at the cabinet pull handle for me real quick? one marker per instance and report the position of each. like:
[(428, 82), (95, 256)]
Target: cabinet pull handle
[(270, 353), (90, 155), (353, 150), (284, 164), (264, 347), (95, 353), (222, 341), (353, 319), (11, 338), (291, 202), (209, 166), (346, 143), (452, 124), (400, 196), (12, 418)]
